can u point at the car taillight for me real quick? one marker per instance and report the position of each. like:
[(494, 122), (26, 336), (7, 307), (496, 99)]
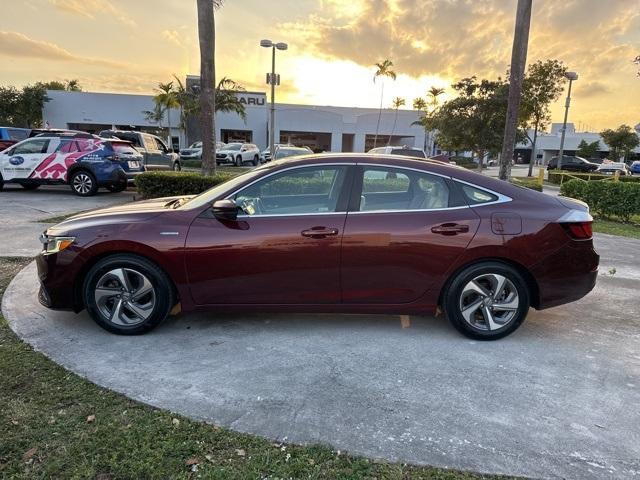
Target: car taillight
[(112, 158), (579, 230)]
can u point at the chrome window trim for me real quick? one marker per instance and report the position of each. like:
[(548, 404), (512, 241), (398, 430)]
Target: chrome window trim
[(404, 168), (361, 212), (291, 214)]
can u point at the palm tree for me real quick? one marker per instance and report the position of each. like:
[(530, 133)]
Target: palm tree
[(383, 70), (397, 103), (165, 99), (207, 40), (433, 94), (419, 104), (227, 98)]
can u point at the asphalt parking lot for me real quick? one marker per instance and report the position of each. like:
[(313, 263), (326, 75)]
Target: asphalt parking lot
[(557, 399), (22, 213)]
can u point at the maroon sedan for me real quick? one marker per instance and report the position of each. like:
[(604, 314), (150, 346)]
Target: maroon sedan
[(328, 233)]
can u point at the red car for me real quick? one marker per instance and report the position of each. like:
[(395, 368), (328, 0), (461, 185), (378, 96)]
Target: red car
[(328, 233)]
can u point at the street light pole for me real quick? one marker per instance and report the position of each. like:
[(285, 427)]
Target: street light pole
[(273, 80), (571, 76)]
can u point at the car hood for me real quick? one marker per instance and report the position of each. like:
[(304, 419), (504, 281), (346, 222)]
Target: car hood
[(227, 151), (126, 213)]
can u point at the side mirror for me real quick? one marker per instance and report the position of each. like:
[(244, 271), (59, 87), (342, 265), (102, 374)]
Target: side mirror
[(225, 209)]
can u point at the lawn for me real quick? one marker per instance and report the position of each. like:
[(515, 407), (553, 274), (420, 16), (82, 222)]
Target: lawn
[(54, 424), (613, 227)]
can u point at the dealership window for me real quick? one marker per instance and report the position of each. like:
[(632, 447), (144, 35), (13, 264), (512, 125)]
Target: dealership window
[(306, 190), (396, 189)]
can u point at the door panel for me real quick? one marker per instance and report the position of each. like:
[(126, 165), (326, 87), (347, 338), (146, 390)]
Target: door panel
[(396, 257), (264, 260)]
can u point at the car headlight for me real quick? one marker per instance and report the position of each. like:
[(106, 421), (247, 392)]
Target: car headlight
[(55, 244)]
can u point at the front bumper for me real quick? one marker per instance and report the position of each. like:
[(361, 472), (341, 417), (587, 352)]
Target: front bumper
[(567, 275), (57, 274)]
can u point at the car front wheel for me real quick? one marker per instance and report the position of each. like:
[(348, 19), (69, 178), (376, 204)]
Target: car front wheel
[(127, 295), (177, 167), (487, 301), (83, 183), (239, 161)]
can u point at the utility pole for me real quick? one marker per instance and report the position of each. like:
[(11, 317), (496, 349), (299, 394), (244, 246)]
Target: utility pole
[(273, 79), (516, 75), (571, 76)]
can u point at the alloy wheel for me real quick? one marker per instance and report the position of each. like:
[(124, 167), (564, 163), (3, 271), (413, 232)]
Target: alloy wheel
[(489, 302), (125, 297), (82, 183)]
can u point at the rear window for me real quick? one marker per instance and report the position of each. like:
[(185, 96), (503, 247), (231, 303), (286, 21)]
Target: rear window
[(477, 196), (123, 148), (409, 152), (17, 134)]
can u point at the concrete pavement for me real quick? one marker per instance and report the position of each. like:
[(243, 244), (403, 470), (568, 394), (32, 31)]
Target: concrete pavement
[(22, 213), (557, 399)]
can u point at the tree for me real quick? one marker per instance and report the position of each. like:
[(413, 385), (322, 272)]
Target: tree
[(620, 141), (397, 103), (419, 104), (433, 93), (384, 69), (165, 99), (637, 62), (542, 86), (588, 150), (474, 120), (516, 77), (9, 101), (67, 85), (207, 41)]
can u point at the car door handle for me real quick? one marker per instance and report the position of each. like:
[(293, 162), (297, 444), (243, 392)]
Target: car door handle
[(450, 229), (319, 232)]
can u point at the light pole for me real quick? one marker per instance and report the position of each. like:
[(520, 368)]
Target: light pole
[(571, 76), (273, 80)]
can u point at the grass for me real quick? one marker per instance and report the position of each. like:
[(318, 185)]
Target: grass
[(54, 424), (613, 227)]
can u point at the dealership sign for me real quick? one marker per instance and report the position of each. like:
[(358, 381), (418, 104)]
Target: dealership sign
[(251, 99)]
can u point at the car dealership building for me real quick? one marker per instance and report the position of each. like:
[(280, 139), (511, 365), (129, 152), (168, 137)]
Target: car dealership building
[(322, 128)]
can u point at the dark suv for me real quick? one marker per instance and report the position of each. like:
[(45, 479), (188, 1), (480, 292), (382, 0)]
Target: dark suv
[(573, 164)]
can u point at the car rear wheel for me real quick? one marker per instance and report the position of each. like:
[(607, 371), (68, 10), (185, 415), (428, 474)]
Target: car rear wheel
[(256, 160), (127, 295), (177, 167), (1, 182), (487, 301), (83, 183)]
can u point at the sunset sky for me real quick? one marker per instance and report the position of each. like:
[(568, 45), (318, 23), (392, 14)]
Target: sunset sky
[(131, 45)]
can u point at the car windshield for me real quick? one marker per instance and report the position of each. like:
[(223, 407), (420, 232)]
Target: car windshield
[(124, 148), (233, 146), (196, 145), (290, 152), (409, 152)]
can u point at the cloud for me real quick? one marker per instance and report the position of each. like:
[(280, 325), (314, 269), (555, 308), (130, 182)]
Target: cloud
[(592, 89), (18, 45), (174, 37), (92, 9)]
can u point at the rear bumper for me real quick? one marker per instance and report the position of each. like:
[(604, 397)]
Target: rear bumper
[(567, 275)]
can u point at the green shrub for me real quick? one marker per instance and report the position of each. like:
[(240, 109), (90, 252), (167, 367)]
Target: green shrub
[(556, 177), (191, 163), (527, 182), (620, 199), (169, 184)]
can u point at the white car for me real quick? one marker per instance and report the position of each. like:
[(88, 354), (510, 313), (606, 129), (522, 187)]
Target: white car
[(400, 150), (265, 155), (238, 154), (611, 168), (194, 152)]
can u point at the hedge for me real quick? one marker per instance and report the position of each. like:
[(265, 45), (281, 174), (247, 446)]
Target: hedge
[(169, 184), (607, 199), (556, 177), (527, 182)]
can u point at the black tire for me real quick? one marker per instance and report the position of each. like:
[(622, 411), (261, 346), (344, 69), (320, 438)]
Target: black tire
[(239, 161), (164, 296), (1, 182), (83, 183), (30, 186), (117, 187), (176, 166), (452, 300), (256, 161)]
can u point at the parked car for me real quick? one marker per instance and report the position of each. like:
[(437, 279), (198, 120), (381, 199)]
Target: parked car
[(194, 152), (286, 151), (612, 167), (328, 233), (11, 135), (635, 167), (153, 149), (85, 162), (238, 154), (396, 150), (572, 164), (265, 155)]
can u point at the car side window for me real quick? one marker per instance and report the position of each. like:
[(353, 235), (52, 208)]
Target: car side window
[(67, 146), (302, 191), (391, 189), (31, 146), (150, 143), (477, 196)]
